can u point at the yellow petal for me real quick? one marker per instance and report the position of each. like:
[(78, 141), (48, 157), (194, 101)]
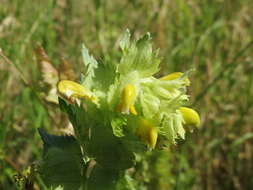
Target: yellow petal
[(128, 97), (72, 90), (152, 137), (174, 76), (133, 110), (190, 116), (147, 132)]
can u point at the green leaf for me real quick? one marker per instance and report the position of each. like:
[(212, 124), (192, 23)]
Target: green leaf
[(80, 118), (125, 41), (97, 76), (126, 183), (117, 126), (62, 161), (90, 65), (103, 178), (108, 150), (63, 105)]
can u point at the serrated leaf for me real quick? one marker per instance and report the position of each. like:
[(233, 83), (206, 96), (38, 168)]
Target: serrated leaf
[(90, 65), (139, 56), (62, 161)]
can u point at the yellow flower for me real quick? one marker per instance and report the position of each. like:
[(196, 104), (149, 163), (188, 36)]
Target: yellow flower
[(147, 132), (128, 97), (190, 116), (71, 91), (174, 76)]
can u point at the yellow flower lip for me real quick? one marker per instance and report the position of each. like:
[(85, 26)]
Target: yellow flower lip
[(147, 132), (71, 91), (190, 116), (174, 76), (128, 96)]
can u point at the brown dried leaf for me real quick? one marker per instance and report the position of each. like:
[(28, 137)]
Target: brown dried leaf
[(48, 71), (50, 76), (66, 70)]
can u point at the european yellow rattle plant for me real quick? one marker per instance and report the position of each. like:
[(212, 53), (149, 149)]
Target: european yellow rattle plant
[(118, 110)]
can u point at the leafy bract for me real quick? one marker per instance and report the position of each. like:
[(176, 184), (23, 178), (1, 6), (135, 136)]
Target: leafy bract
[(138, 56), (117, 126)]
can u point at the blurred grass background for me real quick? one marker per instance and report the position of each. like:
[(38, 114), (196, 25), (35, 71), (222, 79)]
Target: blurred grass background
[(214, 37)]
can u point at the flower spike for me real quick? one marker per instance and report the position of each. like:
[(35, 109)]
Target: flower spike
[(132, 101)]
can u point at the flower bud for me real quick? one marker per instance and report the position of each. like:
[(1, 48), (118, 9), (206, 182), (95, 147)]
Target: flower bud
[(71, 91), (174, 76), (128, 97), (190, 116), (147, 132)]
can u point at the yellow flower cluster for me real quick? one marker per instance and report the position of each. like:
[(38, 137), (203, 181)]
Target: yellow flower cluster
[(146, 130), (128, 94)]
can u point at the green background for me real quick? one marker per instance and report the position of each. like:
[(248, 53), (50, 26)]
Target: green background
[(212, 36)]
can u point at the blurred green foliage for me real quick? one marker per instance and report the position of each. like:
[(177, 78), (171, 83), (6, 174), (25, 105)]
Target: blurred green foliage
[(214, 37)]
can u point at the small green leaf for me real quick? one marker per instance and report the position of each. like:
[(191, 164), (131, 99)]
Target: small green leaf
[(126, 183), (125, 41), (117, 126), (90, 65)]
